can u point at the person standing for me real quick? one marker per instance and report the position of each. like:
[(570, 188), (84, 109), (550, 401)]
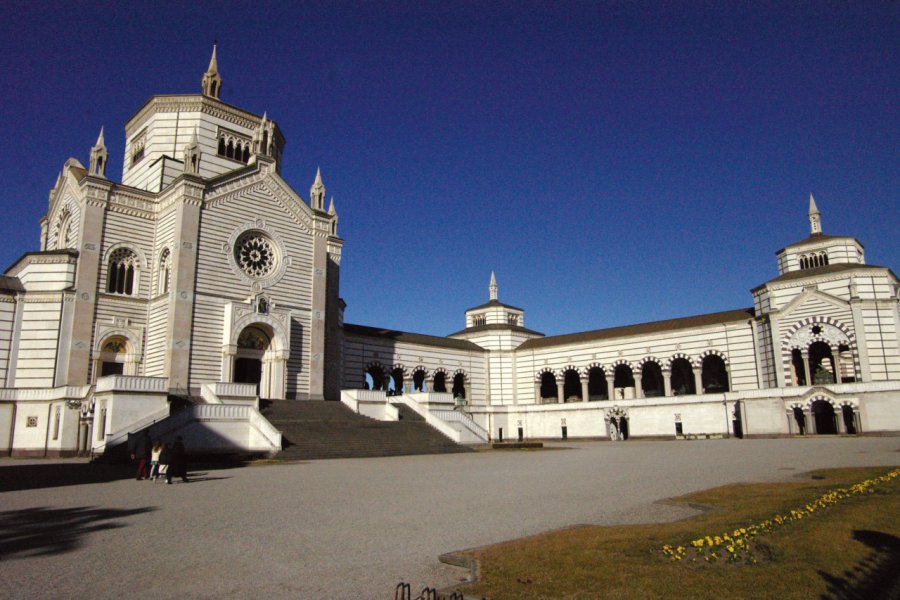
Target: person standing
[(178, 461), (154, 459), (142, 454)]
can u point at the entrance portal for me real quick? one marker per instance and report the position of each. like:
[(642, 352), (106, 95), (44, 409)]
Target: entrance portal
[(824, 416), (253, 343)]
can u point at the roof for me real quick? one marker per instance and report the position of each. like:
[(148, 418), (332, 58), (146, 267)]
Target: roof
[(826, 270), (728, 316), (66, 251), (411, 338), (10, 284), (495, 303), (816, 238), (497, 327)]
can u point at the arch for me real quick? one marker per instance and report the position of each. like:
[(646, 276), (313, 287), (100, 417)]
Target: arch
[(419, 375), (245, 158), (616, 423), (459, 384), (229, 149), (572, 385), (123, 272), (117, 351), (682, 373), (714, 372), (396, 379), (63, 230), (252, 344), (824, 416), (375, 378), (439, 381), (546, 380), (652, 378), (822, 366), (164, 272), (623, 376), (597, 384), (221, 149)]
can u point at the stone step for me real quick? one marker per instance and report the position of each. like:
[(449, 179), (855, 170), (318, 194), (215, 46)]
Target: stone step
[(327, 429)]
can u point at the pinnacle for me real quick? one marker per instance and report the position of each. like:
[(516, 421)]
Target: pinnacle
[(812, 205), (100, 141), (318, 180), (213, 65), (331, 210)]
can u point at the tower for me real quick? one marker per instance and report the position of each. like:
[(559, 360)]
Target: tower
[(493, 287), (98, 157), (212, 82), (815, 222), (317, 192)]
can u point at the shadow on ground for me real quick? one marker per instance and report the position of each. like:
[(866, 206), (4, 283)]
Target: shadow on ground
[(15, 477), (876, 576), (44, 531)]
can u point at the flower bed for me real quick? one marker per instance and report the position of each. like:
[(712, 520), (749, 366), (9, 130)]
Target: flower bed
[(736, 545)]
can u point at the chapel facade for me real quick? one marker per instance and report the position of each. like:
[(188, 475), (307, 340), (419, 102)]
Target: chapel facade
[(204, 280)]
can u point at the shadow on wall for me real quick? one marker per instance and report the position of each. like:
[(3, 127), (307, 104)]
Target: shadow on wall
[(47, 531), (876, 576)]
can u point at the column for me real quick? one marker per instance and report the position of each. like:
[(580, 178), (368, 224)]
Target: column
[(638, 388), (537, 392), (407, 383), (839, 420), (836, 355), (610, 390), (560, 393), (698, 379), (667, 381), (805, 355), (807, 422), (584, 388)]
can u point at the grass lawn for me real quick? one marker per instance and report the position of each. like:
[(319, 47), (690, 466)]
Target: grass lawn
[(848, 550)]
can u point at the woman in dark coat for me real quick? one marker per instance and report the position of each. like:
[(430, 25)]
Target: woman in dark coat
[(165, 462)]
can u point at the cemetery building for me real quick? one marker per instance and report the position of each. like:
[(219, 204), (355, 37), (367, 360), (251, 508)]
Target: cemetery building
[(178, 298)]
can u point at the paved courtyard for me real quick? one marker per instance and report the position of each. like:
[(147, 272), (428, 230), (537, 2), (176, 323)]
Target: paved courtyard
[(351, 528)]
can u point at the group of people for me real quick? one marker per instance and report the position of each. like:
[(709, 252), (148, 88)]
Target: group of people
[(159, 459)]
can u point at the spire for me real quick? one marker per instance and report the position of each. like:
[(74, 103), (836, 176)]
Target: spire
[(331, 210), (493, 287), (317, 192), (98, 157), (815, 221), (192, 155), (211, 83)]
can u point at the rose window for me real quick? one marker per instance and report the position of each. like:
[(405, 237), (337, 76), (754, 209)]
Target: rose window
[(255, 254)]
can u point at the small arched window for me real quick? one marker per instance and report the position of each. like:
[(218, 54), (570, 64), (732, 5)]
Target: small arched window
[(165, 270), (229, 150), (221, 146), (479, 320), (122, 272)]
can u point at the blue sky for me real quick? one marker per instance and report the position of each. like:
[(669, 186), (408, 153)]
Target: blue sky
[(613, 162)]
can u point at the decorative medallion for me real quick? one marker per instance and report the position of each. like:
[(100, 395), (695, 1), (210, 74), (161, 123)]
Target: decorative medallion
[(255, 254)]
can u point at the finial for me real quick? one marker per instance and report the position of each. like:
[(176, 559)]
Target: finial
[(331, 210), (211, 83), (815, 221), (100, 141), (318, 180), (493, 287), (213, 65)]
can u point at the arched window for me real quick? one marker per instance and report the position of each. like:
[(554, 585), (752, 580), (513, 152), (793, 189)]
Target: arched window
[(246, 156), (479, 320), (229, 150), (221, 146), (419, 380), (122, 272), (64, 231), (548, 387), (597, 388), (714, 374), (652, 379), (459, 386), (683, 383), (165, 268), (113, 357)]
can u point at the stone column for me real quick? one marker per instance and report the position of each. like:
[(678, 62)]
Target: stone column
[(698, 379), (537, 392), (638, 388), (610, 390), (807, 422), (584, 388), (407, 383), (839, 420), (836, 356), (560, 392), (805, 355), (667, 381), (228, 365)]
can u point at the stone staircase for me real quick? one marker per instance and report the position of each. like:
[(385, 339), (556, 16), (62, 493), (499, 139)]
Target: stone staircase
[(326, 429)]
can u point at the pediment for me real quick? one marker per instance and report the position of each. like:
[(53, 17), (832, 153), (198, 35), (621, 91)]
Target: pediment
[(810, 295)]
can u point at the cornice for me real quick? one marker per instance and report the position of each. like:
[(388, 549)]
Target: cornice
[(815, 280)]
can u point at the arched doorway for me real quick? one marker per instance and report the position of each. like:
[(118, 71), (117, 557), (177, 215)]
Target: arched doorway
[(683, 378), (823, 414), (440, 382), (252, 345), (459, 386)]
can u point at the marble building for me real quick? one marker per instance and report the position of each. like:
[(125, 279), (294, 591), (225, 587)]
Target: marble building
[(202, 279)]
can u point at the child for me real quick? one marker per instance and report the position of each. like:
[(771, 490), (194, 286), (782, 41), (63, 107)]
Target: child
[(154, 460)]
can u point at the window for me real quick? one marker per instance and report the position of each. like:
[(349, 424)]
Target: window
[(233, 146), (165, 269), (479, 320), (137, 147), (512, 319), (814, 260), (122, 272)]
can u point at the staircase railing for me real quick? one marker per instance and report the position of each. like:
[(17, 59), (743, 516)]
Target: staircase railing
[(464, 419)]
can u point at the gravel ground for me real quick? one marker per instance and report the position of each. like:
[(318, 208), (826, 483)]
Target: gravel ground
[(354, 528)]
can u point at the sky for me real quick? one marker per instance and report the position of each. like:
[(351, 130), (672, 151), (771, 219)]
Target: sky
[(612, 162)]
